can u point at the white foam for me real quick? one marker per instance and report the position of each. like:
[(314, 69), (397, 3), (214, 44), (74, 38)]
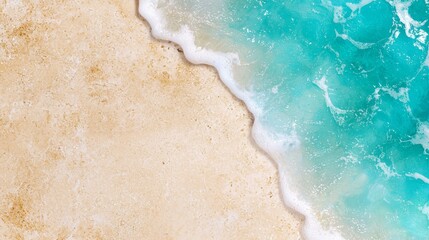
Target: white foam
[(401, 94), (357, 44), (426, 62), (359, 6), (388, 171), (418, 176), (336, 112), (339, 14), (274, 145), (412, 27), (354, 7), (425, 210), (223, 62), (350, 158), (422, 136), (288, 147)]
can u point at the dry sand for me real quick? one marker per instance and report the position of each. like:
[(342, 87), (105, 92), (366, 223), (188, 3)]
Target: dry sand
[(106, 133)]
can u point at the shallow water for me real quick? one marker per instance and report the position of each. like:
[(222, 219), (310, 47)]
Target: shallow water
[(343, 86)]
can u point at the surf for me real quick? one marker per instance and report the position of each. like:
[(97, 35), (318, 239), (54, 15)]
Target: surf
[(339, 92)]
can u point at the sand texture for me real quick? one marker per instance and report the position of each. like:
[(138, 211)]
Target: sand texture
[(106, 133)]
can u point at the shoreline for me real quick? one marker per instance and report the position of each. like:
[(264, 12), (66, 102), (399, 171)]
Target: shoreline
[(271, 144), (115, 140)]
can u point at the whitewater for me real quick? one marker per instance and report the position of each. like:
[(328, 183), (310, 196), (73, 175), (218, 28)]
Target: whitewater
[(340, 95)]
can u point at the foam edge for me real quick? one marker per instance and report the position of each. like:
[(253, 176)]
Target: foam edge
[(274, 146)]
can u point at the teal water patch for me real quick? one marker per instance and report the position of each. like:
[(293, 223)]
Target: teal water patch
[(351, 79)]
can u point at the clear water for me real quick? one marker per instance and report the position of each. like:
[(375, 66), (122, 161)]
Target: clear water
[(349, 80)]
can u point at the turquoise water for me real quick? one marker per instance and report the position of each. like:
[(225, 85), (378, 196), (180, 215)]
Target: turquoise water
[(349, 79)]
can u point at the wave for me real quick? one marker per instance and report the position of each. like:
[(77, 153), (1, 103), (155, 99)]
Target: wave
[(278, 147), (338, 90)]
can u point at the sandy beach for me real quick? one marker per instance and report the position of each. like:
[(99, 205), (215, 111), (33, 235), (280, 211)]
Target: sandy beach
[(107, 133)]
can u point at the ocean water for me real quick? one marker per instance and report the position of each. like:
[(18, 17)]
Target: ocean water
[(340, 94)]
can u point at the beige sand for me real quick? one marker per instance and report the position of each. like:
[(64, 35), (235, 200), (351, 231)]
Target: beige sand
[(107, 134)]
